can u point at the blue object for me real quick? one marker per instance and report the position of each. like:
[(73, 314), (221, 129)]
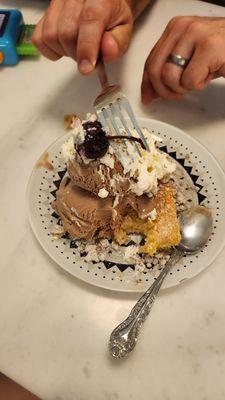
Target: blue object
[(10, 27)]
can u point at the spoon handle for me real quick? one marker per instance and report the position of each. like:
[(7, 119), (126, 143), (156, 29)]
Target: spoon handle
[(124, 337)]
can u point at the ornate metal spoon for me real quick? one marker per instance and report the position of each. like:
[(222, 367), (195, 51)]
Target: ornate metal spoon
[(196, 226)]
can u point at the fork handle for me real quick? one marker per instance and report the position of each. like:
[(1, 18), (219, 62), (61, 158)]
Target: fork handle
[(101, 71)]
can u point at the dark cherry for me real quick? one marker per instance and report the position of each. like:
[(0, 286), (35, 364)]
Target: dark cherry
[(92, 125), (96, 143)]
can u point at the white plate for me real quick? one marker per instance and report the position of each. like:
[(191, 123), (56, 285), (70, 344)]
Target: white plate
[(206, 175)]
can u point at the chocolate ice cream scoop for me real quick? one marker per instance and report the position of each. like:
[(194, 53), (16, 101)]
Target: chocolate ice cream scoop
[(83, 215), (96, 175)]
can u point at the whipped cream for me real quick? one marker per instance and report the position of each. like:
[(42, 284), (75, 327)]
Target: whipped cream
[(143, 171), (131, 252), (68, 150), (103, 193), (108, 160), (146, 170), (90, 118), (77, 137)]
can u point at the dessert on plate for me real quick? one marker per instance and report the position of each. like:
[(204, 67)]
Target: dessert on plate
[(112, 191)]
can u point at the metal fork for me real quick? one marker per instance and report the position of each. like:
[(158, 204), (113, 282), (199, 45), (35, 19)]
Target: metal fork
[(112, 104)]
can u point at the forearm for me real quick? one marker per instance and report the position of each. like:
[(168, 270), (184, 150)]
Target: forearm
[(137, 6)]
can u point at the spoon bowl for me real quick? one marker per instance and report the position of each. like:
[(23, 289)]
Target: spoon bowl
[(195, 226)]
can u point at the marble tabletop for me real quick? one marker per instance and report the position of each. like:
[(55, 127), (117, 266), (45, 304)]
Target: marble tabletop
[(54, 328)]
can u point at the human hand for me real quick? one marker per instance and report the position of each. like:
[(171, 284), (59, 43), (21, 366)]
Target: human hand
[(80, 29), (200, 40)]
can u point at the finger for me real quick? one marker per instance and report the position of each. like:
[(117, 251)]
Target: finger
[(147, 92), (171, 73), (200, 69), (115, 42), (180, 23), (109, 48), (38, 42), (68, 26), (93, 20), (50, 27), (159, 57), (155, 65)]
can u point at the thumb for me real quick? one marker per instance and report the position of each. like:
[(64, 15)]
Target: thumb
[(115, 42)]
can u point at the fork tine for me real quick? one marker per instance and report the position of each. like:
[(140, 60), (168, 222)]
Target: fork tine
[(105, 113), (109, 106), (111, 111), (102, 119), (112, 120), (123, 121), (117, 109), (133, 120)]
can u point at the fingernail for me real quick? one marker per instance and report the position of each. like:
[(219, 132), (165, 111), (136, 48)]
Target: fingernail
[(85, 66)]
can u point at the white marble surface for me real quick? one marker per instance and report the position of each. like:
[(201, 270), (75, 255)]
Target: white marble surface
[(53, 328)]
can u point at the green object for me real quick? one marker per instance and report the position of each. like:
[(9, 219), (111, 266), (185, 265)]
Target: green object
[(24, 45)]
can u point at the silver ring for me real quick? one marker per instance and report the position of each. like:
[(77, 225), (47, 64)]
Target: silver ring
[(178, 60)]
